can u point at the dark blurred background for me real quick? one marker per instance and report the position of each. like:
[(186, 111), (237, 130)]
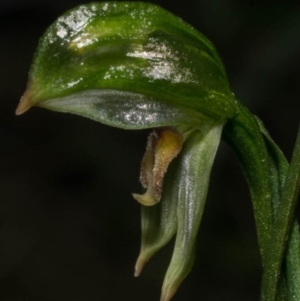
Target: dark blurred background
[(69, 228)]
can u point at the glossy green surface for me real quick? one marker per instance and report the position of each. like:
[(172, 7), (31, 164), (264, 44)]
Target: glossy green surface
[(136, 47)]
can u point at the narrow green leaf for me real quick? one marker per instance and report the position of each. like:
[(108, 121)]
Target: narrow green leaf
[(282, 293), (293, 263), (281, 229), (278, 171), (278, 166)]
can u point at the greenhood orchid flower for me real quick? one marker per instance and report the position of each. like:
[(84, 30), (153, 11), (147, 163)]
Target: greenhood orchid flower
[(134, 66)]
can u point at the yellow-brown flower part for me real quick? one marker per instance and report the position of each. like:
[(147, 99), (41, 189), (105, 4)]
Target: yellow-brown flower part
[(163, 145)]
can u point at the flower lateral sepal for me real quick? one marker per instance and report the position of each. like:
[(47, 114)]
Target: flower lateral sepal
[(193, 174)]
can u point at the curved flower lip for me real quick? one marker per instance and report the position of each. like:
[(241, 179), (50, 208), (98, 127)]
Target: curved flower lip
[(163, 145)]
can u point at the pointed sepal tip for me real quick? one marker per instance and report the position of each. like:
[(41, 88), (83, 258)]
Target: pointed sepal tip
[(140, 263), (167, 295), (25, 104)]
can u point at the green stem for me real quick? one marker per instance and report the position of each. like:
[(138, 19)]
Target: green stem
[(270, 178), (244, 135)]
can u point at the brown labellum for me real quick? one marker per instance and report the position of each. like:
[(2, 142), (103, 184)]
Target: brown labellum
[(163, 145)]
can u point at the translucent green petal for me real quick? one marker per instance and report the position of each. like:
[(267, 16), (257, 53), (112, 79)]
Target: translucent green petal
[(159, 222), (196, 161)]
